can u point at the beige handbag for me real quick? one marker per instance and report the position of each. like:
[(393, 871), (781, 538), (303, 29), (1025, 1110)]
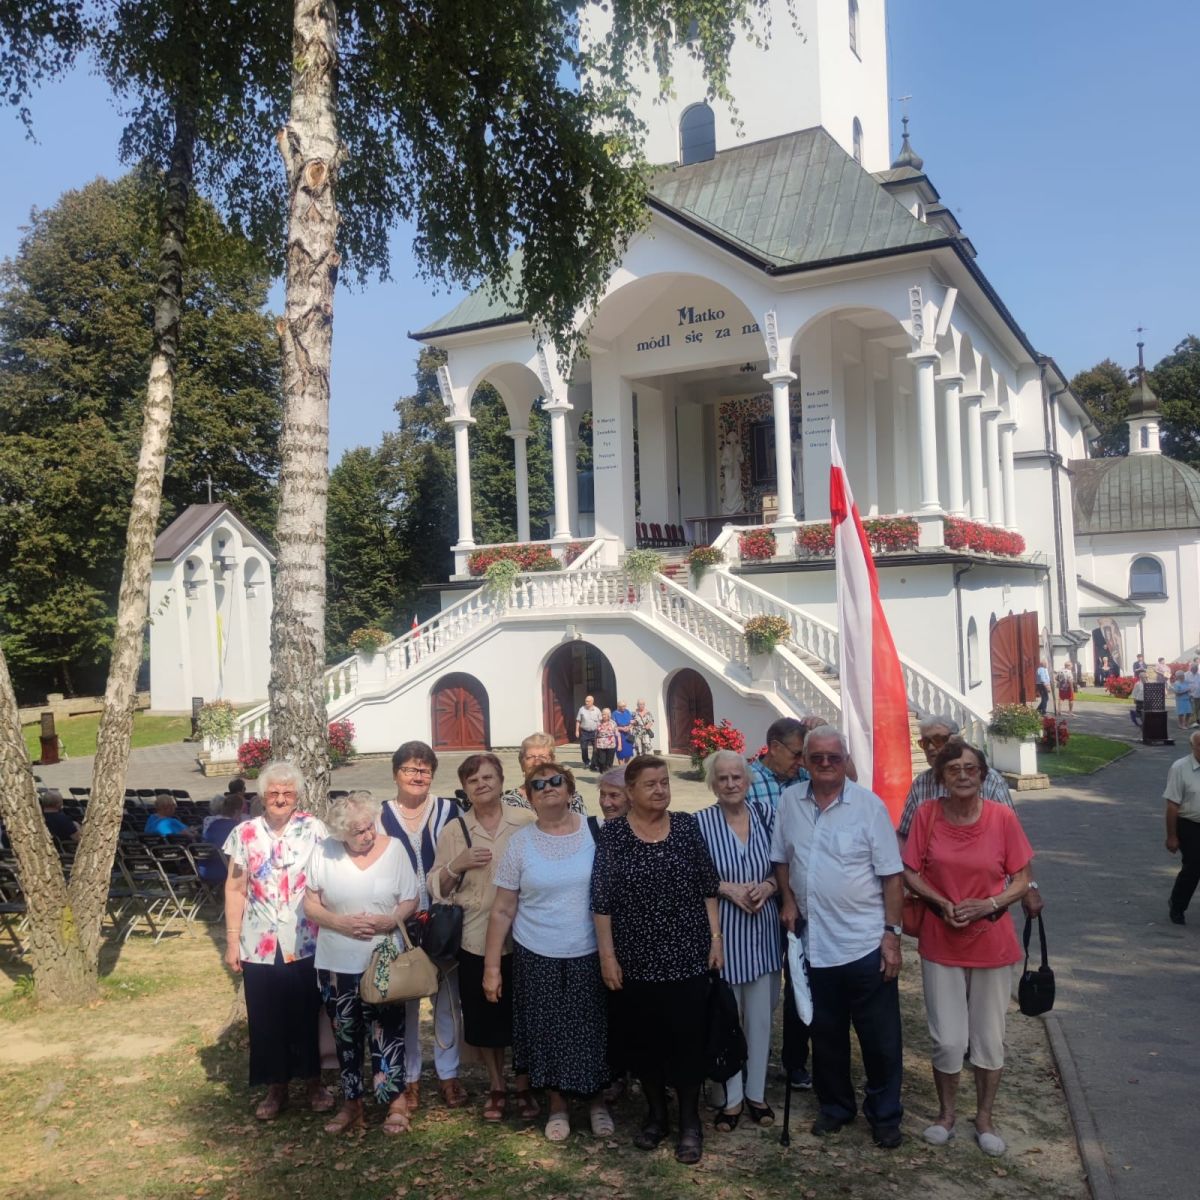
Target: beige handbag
[(394, 976)]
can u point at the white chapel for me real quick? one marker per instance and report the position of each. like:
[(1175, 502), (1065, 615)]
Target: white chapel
[(798, 269)]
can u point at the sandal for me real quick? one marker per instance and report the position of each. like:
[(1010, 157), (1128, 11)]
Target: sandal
[(497, 1102), (349, 1116), (320, 1098), (727, 1122), (453, 1093), (397, 1119), (762, 1115), (527, 1106), (650, 1134), (412, 1094), (558, 1128), (601, 1119), (273, 1103), (690, 1147)]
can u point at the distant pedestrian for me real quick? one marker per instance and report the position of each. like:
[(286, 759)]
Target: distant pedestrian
[(1066, 687), (1193, 681), (608, 738), (642, 729), (1162, 670), (1138, 696), (1041, 681), (1183, 700), (1182, 795), (623, 719), (586, 720)]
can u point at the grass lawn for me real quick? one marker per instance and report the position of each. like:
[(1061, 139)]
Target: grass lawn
[(144, 1095), (1100, 696), (78, 734), (1083, 754)]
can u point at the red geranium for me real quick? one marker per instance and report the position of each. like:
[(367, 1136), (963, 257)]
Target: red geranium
[(984, 539), (706, 739), (527, 558), (1047, 739), (757, 544)]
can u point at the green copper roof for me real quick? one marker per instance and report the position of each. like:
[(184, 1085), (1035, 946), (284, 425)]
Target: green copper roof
[(1136, 494), (791, 202)]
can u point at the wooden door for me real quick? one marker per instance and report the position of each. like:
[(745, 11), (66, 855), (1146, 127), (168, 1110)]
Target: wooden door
[(689, 698), (1015, 650), (558, 695), (460, 714)]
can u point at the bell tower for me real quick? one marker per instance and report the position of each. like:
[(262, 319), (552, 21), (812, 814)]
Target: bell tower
[(824, 63)]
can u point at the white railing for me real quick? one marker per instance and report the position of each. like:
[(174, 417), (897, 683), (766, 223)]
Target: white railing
[(590, 558), (807, 692), (926, 693), (699, 619)]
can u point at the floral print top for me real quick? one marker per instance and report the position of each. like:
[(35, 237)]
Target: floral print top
[(276, 876)]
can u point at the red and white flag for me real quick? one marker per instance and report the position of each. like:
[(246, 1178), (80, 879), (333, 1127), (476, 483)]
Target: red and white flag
[(874, 706)]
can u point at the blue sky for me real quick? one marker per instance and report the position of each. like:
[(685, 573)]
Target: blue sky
[(1062, 135)]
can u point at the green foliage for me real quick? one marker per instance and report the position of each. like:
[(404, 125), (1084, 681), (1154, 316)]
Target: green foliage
[(38, 41), (75, 343), (500, 577), (217, 720), (369, 639), (1104, 390), (642, 565), (1015, 721), (763, 634)]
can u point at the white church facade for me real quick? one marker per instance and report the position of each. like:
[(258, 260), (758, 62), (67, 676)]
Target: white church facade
[(792, 278)]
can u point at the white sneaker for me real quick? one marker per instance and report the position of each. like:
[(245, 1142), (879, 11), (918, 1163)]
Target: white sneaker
[(991, 1144), (937, 1135)]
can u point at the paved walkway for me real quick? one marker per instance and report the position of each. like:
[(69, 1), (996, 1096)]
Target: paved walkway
[(1128, 980)]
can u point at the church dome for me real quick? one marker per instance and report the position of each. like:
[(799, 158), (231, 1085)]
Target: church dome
[(1139, 493)]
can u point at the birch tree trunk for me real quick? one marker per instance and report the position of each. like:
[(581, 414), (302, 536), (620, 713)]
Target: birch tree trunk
[(311, 153)]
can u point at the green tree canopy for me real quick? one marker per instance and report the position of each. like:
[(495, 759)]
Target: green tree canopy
[(1104, 391), (75, 343)]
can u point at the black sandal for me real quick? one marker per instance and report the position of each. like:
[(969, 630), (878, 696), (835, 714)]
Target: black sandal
[(727, 1122), (649, 1136), (690, 1147), (761, 1114)]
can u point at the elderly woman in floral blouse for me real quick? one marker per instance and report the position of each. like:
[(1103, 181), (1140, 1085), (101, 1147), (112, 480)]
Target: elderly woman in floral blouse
[(271, 942)]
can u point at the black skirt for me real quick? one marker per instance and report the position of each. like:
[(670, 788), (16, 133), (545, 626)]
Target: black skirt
[(560, 1021), (485, 1024), (663, 1028), (282, 1006)]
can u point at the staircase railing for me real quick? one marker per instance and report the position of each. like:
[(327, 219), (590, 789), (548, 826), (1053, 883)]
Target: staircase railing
[(700, 620)]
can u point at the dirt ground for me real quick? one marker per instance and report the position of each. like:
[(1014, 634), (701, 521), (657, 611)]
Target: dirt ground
[(144, 1095)]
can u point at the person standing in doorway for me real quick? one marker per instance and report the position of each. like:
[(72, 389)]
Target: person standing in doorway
[(1182, 795), (1193, 682), (586, 720), (1041, 681)]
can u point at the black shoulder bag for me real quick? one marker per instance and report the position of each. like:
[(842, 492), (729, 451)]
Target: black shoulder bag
[(1035, 992), (441, 937)]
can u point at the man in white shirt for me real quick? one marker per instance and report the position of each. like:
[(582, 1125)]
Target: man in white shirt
[(1182, 795), (838, 868), (586, 720)]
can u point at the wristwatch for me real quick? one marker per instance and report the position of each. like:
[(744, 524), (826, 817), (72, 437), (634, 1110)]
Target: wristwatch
[(1032, 886), (896, 929)]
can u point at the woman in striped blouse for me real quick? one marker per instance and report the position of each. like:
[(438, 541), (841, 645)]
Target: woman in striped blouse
[(738, 835)]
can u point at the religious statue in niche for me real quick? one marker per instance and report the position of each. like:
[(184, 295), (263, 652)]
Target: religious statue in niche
[(798, 472), (731, 473)]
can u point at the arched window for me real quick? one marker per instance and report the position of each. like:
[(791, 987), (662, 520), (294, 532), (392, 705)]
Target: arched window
[(697, 134), (857, 140), (973, 678), (1146, 577), (854, 26)]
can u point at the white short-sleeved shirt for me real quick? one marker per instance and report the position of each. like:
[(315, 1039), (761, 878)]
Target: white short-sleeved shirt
[(552, 876), (836, 861), (1183, 787), (347, 889)]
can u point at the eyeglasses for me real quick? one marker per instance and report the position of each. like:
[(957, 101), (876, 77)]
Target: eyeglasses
[(936, 741), (281, 794), (954, 770), (823, 760), (794, 751), (416, 772), (360, 832), (540, 785)]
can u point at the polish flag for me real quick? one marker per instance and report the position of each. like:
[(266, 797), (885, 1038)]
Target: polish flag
[(874, 706)]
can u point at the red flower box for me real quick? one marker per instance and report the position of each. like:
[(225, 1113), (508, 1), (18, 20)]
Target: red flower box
[(757, 545), (527, 558), (984, 539)]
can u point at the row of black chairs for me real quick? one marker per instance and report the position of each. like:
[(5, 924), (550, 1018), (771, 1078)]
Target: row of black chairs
[(656, 537)]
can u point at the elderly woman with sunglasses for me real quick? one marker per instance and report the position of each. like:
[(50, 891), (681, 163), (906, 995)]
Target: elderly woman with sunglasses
[(271, 943), (968, 859), (560, 1026), (361, 887)]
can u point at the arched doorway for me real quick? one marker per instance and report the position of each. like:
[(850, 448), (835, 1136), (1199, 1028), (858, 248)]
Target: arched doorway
[(689, 698), (1015, 648), (575, 670), (459, 708)]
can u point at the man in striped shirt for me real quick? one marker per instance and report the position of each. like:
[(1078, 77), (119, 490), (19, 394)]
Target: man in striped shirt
[(936, 731)]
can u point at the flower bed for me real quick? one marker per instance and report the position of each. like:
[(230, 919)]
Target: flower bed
[(973, 535), (341, 741), (1015, 721), (885, 535), (756, 545), (256, 753), (1047, 738), (706, 739), (527, 558), (1120, 685)]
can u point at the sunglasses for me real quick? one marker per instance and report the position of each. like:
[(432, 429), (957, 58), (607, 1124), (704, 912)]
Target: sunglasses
[(823, 760), (540, 785), (954, 770)]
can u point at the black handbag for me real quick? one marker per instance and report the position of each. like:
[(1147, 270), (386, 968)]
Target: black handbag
[(1035, 992), (725, 1043), (441, 932)]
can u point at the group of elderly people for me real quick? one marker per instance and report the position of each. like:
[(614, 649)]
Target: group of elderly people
[(587, 948)]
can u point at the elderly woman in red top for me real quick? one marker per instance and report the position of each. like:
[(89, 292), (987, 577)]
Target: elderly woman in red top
[(968, 859)]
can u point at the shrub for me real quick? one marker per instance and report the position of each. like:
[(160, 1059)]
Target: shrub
[(573, 551), (706, 739), (500, 577), (1047, 739), (341, 741), (973, 535), (1120, 685), (703, 557), (217, 720), (526, 556), (756, 545), (254, 754), (642, 565), (763, 634), (1015, 721), (368, 639)]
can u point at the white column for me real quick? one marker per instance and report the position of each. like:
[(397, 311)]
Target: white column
[(520, 439), (781, 398), (462, 479), (974, 402), (1008, 474), (558, 447), (924, 366), (991, 458), (951, 393)]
